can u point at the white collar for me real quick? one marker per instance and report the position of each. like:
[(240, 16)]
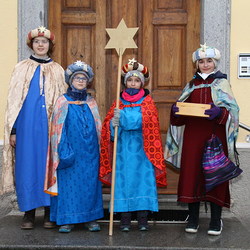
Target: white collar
[(204, 75)]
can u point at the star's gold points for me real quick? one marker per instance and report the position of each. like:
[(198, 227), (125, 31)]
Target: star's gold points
[(121, 38)]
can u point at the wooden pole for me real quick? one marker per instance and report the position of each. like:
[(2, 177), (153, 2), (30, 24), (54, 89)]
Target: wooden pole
[(111, 215)]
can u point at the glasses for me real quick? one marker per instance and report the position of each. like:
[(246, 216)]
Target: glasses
[(80, 79), (40, 41)]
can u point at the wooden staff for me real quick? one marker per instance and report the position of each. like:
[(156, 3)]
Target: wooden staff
[(120, 39), (111, 216)]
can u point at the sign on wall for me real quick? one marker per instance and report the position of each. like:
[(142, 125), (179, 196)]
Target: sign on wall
[(244, 65)]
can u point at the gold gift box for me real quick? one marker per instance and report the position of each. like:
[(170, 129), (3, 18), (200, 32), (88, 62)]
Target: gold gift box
[(192, 109)]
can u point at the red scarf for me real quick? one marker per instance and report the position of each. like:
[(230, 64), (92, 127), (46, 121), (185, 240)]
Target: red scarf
[(133, 98)]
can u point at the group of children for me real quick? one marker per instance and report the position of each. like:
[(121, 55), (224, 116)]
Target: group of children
[(61, 151)]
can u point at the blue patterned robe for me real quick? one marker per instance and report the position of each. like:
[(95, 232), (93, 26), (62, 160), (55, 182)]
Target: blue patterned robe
[(79, 196)]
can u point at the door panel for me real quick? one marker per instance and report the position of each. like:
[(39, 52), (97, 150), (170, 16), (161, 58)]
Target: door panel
[(79, 26), (168, 34)]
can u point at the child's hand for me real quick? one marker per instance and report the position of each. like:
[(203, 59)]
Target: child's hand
[(213, 112), (13, 141), (116, 118), (175, 109)]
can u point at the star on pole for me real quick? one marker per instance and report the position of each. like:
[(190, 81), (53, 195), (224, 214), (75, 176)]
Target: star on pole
[(121, 38)]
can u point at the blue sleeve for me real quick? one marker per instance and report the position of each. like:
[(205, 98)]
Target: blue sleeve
[(65, 152)]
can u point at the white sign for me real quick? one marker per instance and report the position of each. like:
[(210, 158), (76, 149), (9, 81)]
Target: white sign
[(244, 66)]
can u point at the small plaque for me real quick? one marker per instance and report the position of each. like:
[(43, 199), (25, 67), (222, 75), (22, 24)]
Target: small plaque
[(244, 66), (192, 109)]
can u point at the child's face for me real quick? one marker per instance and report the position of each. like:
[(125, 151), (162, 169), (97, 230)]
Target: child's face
[(80, 81), (40, 45), (134, 82), (206, 65)]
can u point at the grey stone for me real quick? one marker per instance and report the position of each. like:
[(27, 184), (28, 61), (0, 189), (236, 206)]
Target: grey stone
[(160, 236), (215, 29), (31, 14)]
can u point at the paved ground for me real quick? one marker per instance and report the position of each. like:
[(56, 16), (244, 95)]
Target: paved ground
[(160, 236)]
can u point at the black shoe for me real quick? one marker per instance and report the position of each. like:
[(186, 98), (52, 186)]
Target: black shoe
[(215, 225), (125, 223), (193, 217), (191, 227), (46, 220), (215, 230), (28, 221), (142, 217)]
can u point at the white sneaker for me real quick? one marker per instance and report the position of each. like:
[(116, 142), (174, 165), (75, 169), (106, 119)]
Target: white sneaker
[(192, 226), (191, 230), (215, 231)]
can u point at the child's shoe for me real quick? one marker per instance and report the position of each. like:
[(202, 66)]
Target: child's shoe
[(215, 225), (46, 220), (192, 227), (193, 218), (142, 217), (143, 228), (125, 223), (215, 230), (28, 221), (66, 228), (93, 226)]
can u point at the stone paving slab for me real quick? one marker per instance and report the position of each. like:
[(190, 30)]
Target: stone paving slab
[(160, 236)]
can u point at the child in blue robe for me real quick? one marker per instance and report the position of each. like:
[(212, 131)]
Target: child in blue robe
[(140, 164), (73, 155)]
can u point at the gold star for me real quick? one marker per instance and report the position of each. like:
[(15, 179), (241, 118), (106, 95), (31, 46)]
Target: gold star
[(203, 47), (42, 29), (131, 61), (121, 38)]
